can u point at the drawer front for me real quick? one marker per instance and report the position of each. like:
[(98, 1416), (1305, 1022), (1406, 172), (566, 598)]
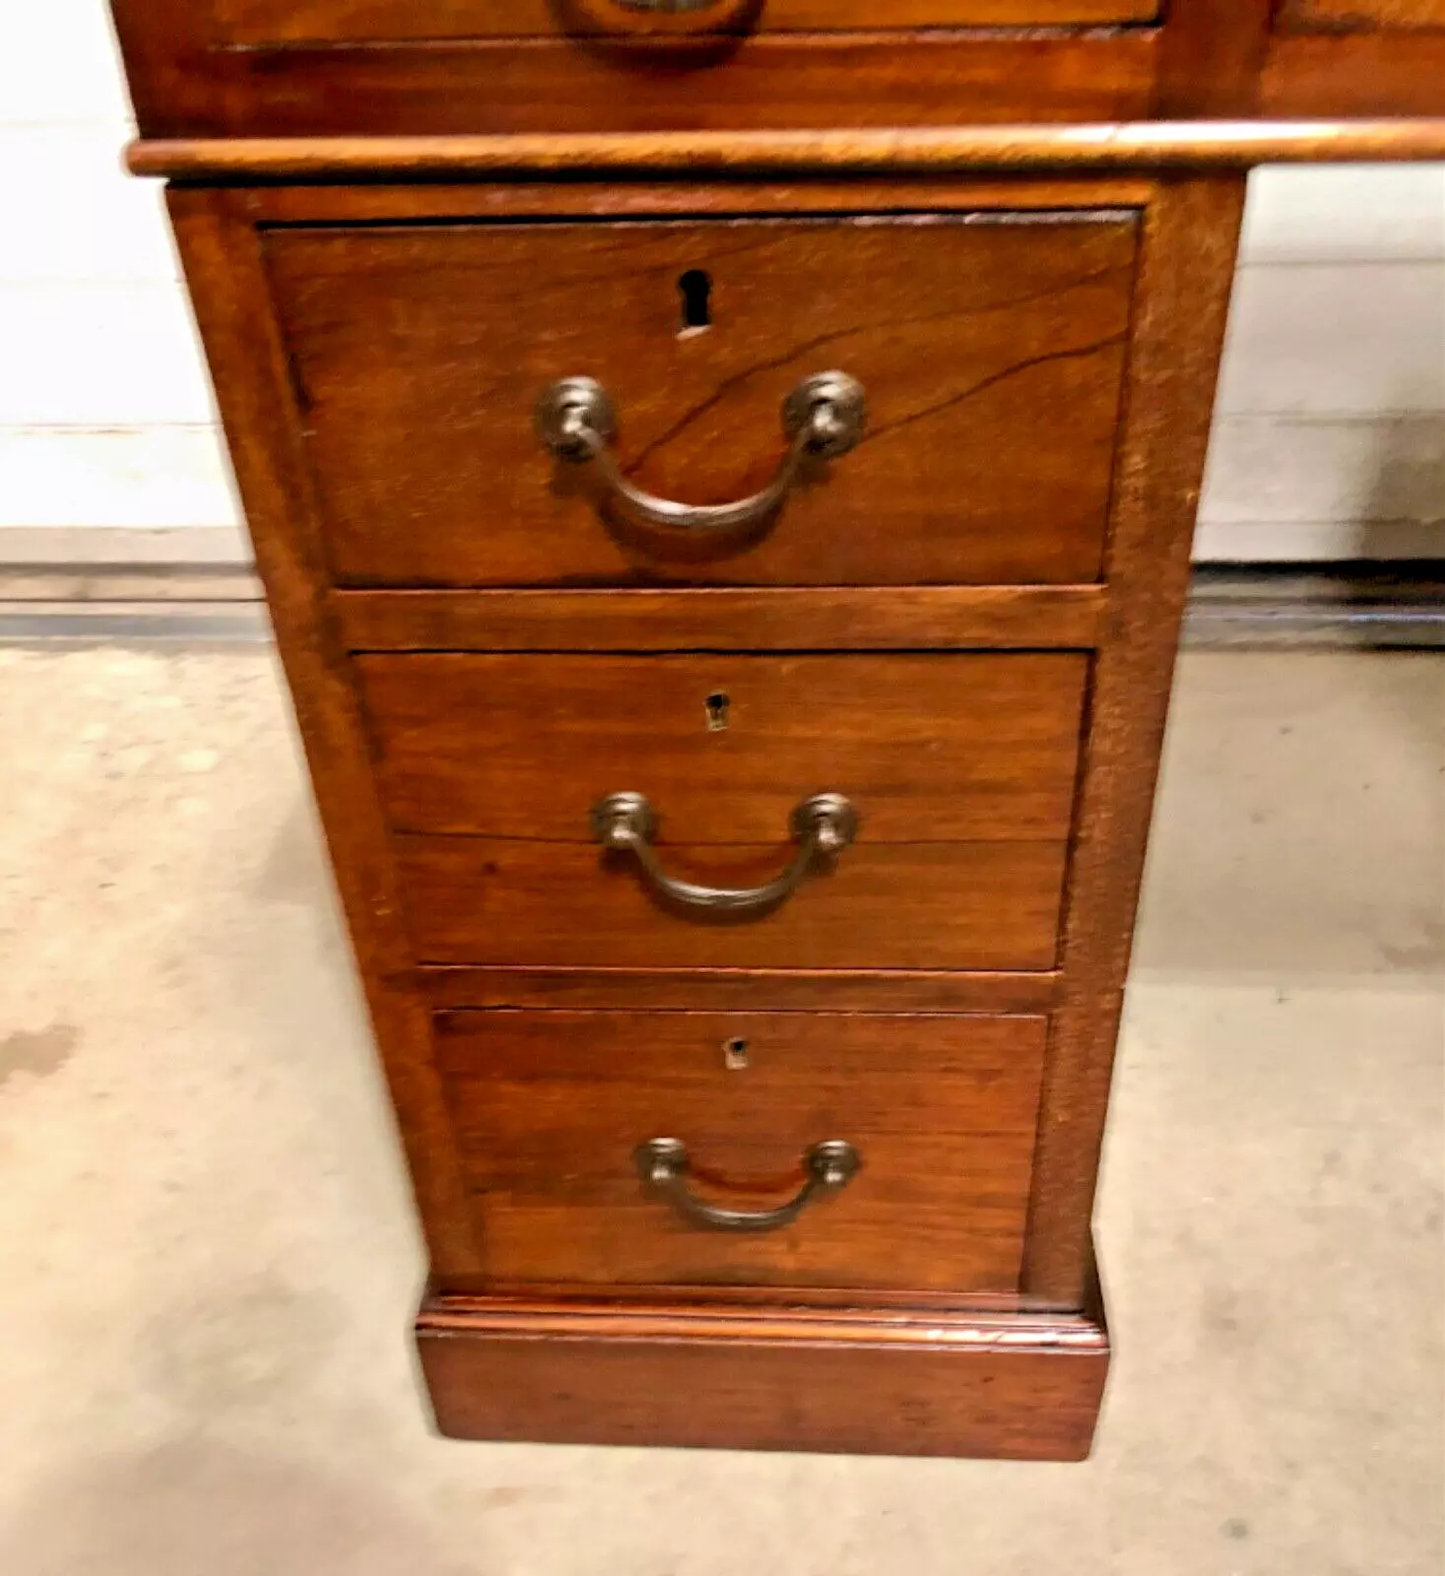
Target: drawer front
[(989, 351), (258, 22), (564, 905), (933, 747), (1362, 16), (959, 769), (550, 1109)]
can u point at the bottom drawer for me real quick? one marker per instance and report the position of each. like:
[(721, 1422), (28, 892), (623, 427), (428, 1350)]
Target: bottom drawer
[(554, 1112)]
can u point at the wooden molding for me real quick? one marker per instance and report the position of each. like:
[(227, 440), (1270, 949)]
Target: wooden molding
[(722, 619), (883, 1381), (1201, 144), (807, 990)]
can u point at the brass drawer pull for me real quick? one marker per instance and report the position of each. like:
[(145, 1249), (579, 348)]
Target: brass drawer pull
[(822, 418), (667, 5), (663, 1164), (823, 825)]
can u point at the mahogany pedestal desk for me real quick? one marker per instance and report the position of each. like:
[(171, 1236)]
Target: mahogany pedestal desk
[(723, 473)]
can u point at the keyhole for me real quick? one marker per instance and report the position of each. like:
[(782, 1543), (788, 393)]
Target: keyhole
[(717, 710), (735, 1054), (695, 287)]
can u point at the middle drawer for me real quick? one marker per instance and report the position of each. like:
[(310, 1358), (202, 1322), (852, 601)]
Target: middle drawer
[(955, 772)]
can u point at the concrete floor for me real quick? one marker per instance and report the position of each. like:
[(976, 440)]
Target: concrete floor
[(210, 1261)]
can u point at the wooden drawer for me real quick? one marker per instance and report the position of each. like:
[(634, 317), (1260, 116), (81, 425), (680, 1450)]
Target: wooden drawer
[(379, 68), (960, 768), (549, 1109), (1362, 16), (990, 349), (265, 68), (260, 22)]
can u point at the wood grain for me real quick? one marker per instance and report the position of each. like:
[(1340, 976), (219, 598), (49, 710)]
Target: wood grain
[(822, 1313), (549, 1107), (1361, 16), (1191, 236), (930, 747), (724, 619), (383, 68), (1210, 58), (880, 990), (256, 22), (655, 197), (167, 46), (1397, 73), (718, 1308), (462, 87), (880, 906), (861, 198), (1301, 76), (991, 352), (1014, 1387)]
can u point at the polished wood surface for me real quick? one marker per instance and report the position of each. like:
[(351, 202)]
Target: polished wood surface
[(991, 353), (1302, 72), (805, 990), (936, 1383), (932, 748), (401, 222), (261, 68), (256, 22), (1210, 58), (659, 196), (549, 1108), (186, 88), (725, 619), (1393, 73), (918, 905), (1362, 16), (555, 930)]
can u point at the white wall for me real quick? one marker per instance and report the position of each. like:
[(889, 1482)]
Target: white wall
[(1330, 440), (107, 441)]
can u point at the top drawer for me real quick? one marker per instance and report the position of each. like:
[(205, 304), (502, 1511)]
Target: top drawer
[(989, 350), (272, 21), (1362, 16), (315, 68), (309, 68)]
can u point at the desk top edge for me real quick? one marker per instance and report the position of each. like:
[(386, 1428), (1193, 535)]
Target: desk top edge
[(1130, 145)]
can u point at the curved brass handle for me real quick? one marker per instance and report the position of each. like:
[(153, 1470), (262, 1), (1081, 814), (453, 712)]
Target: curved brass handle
[(823, 825), (663, 1164), (667, 5), (823, 418)]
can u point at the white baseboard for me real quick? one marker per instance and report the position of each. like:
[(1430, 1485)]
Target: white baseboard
[(95, 546), (1318, 542)]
